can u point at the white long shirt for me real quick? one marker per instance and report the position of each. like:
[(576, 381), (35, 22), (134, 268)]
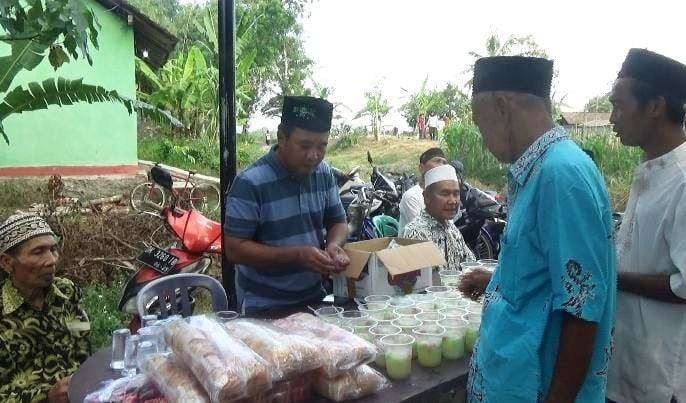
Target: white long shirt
[(411, 204), (649, 361), (433, 121)]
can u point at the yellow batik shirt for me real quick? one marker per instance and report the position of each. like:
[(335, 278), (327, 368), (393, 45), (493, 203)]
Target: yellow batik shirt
[(40, 346)]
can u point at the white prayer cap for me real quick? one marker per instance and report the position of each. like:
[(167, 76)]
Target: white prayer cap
[(438, 174)]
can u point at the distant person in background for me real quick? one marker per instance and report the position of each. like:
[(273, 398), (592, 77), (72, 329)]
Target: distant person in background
[(412, 202), (421, 126), (433, 125)]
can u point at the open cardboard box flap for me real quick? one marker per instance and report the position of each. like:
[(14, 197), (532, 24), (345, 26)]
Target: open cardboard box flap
[(413, 255)]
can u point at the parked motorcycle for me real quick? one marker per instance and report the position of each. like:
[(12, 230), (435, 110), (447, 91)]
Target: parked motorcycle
[(481, 220), (198, 239)]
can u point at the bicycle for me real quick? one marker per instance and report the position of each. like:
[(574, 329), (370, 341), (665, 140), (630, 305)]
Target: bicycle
[(151, 196)]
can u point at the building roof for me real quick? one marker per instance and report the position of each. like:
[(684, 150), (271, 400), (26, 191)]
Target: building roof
[(585, 119), (148, 36)]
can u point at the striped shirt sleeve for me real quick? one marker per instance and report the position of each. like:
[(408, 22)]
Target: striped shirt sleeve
[(242, 209)]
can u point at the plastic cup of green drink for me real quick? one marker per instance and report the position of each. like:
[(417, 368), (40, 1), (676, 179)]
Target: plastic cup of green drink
[(472, 334), (450, 278), (437, 290), (453, 345), (417, 298), (407, 324), (427, 306), (377, 333), (407, 311), (346, 316), (453, 313), (361, 327), (375, 310), (448, 299), (398, 354), (429, 317), (429, 345)]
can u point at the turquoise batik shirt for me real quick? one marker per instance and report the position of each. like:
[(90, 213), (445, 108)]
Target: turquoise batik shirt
[(557, 256)]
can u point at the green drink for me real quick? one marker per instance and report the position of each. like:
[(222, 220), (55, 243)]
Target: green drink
[(380, 360), (453, 347), (429, 353), (398, 355), (470, 339)]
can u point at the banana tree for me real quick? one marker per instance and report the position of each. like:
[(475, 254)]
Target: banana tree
[(60, 30)]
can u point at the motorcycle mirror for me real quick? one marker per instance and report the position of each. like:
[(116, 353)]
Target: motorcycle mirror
[(369, 157)]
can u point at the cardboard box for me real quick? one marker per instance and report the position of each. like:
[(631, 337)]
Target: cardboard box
[(401, 270)]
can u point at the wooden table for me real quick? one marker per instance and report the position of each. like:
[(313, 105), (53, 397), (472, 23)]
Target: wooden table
[(423, 384)]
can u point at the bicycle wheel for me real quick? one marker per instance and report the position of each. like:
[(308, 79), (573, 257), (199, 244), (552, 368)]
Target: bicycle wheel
[(204, 198), (145, 193)]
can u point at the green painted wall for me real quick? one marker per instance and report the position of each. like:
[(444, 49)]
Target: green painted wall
[(81, 134)]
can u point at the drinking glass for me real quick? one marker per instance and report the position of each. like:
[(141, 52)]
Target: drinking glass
[(118, 345)]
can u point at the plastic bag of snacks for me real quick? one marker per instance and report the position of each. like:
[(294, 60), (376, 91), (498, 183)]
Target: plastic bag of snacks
[(289, 354), (174, 380), (227, 368), (340, 350), (297, 390), (359, 382), (128, 389)]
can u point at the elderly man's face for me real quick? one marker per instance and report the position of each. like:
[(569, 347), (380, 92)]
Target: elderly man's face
[(490, 115), (442, 199), (34, 264)]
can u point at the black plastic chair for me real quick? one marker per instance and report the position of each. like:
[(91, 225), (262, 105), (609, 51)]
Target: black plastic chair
[(171, 294)]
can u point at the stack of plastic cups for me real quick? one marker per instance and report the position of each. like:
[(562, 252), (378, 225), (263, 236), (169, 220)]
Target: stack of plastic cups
[(398, 354), (429, 345), (472, 334), (407, 325), (453, 346), (329, 314), (377, 333), (361, 327)]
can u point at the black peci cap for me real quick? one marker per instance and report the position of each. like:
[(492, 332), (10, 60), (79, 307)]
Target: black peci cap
[(667, 75), (529, 75), (313, 114)]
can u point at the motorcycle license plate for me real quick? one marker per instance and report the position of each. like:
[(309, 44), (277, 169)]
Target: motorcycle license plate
[(158, 259)]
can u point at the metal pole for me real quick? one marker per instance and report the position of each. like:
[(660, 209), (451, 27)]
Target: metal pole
[(227, 122)]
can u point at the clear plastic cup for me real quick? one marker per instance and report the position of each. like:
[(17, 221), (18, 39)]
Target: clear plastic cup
[(146, 349), (361, 327), (445, 299), (400, 302), (131, 355), (450, 278), (456, 303), (453, 345), (408, 311), (346, 316), (472, 333), (146, 319), (329, 314), (377, 299), (377, 333), (150, 333), (429, 345), (226, 316), (453, 313), (420, 298), (398, 353), (375, 310), (118, 345), (426, 306), (429, 317), (436, 290), (407, 325), (489, 264), (469, 266)]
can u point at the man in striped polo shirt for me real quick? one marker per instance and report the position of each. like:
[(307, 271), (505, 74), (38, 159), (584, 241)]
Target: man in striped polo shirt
[(285, 224)]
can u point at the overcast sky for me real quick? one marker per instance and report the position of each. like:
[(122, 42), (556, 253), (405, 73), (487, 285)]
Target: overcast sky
[(357, 43)]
